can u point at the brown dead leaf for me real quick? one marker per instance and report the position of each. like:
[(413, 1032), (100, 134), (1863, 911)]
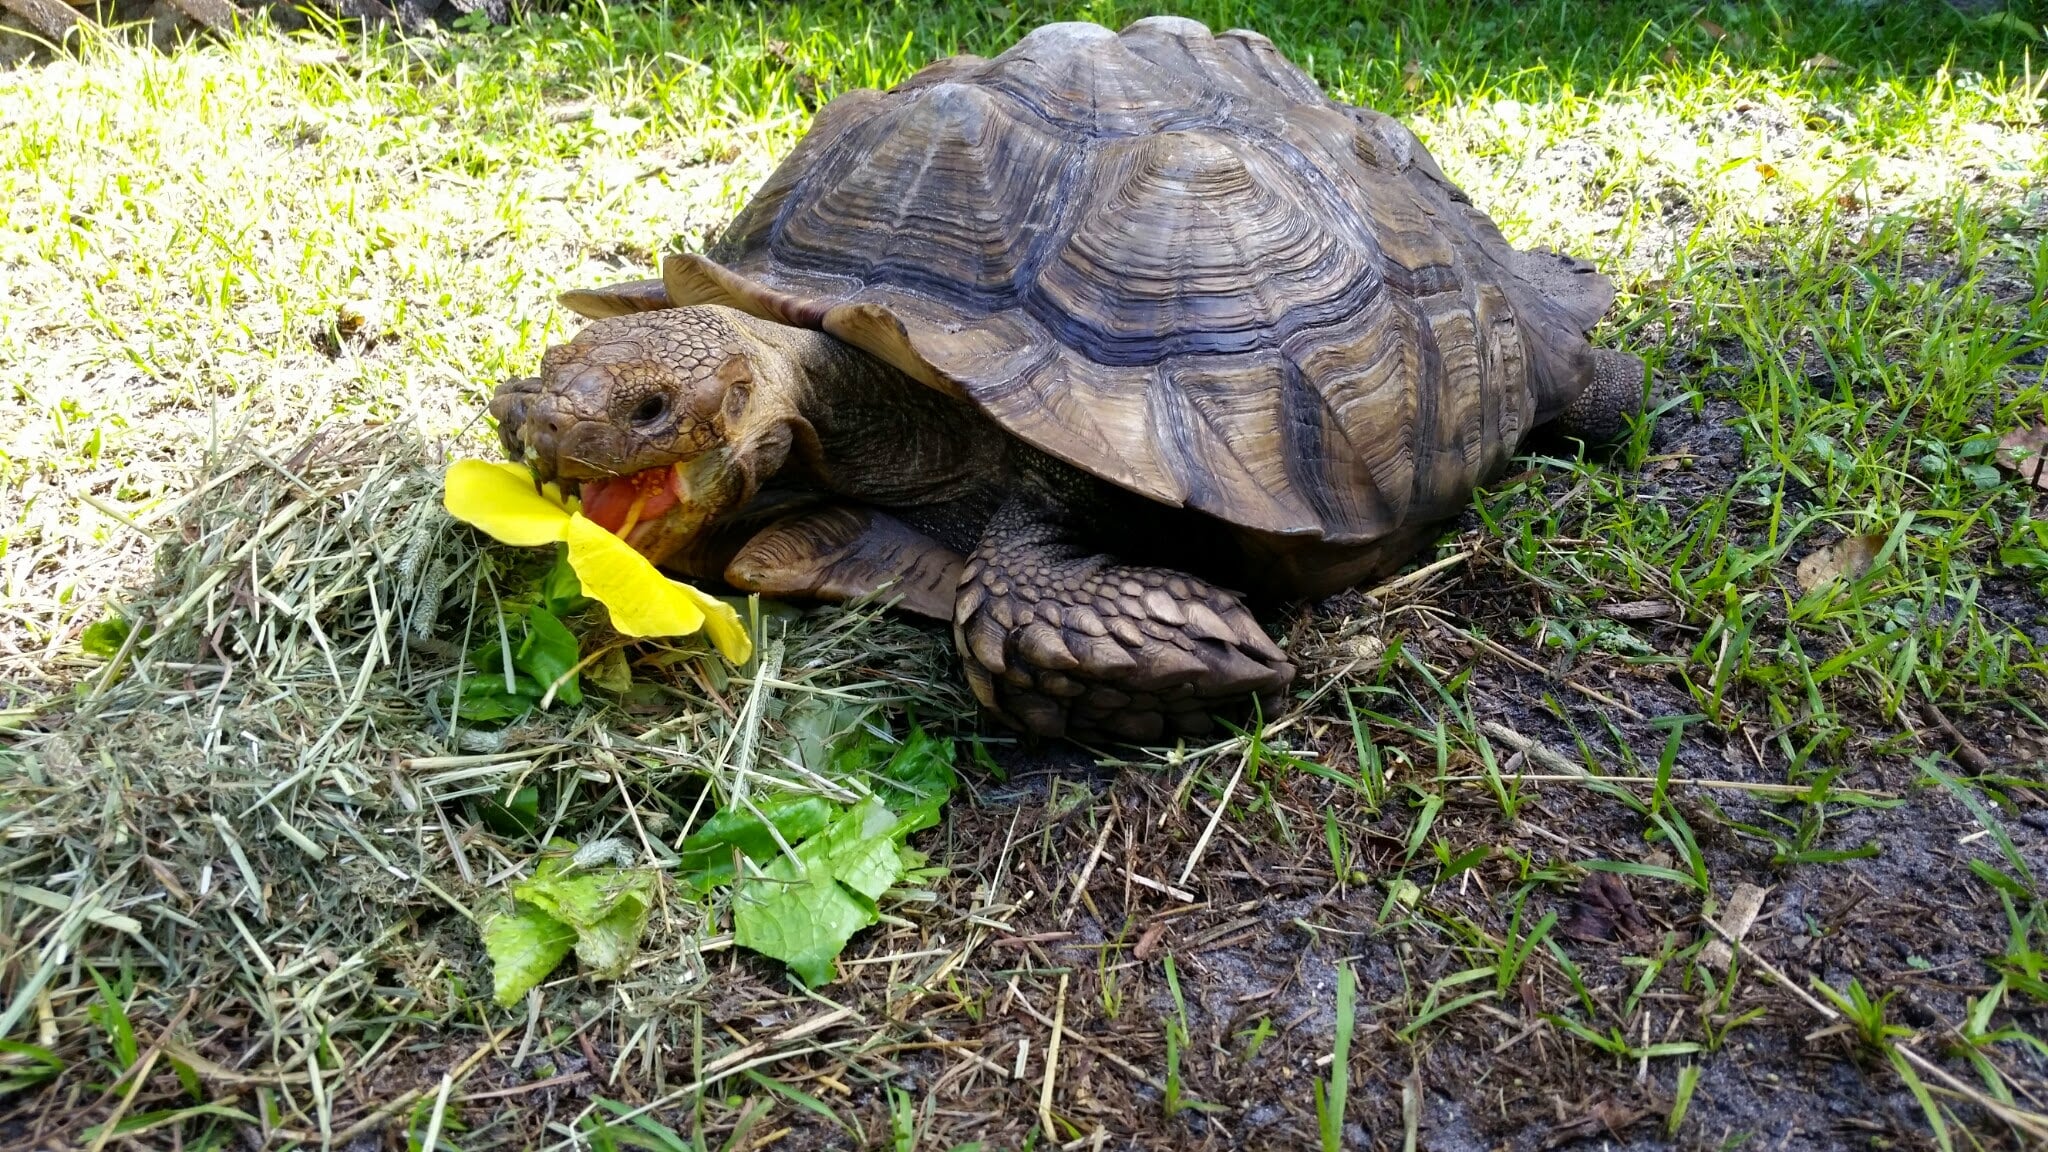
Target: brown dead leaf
[(1148, 942), (1670, 57), (572, 112), (806, 85), (1605, 904), (317, 57), (1673, 462), (2024, 452), (1608, 1117), (362, 317), (1736, 920), (1820, 63), (807, 91), (1845, 559), (1712, 29), (168, 880)]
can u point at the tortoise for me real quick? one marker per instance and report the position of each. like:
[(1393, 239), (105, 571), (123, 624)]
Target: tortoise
[(1059, 346)]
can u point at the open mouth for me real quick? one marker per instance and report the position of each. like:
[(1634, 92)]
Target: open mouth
[(619, 504)]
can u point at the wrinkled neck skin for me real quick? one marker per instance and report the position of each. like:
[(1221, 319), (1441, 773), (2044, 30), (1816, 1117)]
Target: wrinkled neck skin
[(868, 431)]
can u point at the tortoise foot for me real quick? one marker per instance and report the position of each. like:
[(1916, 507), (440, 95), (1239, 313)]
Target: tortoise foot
[(1601, 412), (1088, 647)]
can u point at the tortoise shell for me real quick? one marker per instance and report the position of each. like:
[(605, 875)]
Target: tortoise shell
[(1169, 259)]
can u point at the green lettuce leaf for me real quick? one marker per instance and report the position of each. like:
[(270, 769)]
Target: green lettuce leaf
[(514, 812), (561, 592), (706, 854), (103, 637), (860, 849), (599, 913), (524, 945), (549, 653), (606, 907), (917, 780), (803, 911)]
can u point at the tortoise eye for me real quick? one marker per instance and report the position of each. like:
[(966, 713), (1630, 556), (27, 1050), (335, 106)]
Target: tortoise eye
[(651, 410)]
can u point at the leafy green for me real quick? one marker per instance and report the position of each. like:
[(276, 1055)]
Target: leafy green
[(524, 944), (103, 637), (916, 780), (611, 672), (545, 652), (549, 655), (861, 849), (600, 913), (515, 813), (485, 700), (800, 906), (802, 911), (706, 854), (819, 727), (561, 592), (607, 908)]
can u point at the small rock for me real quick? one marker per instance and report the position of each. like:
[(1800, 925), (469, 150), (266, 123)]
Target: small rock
[(362, 317)]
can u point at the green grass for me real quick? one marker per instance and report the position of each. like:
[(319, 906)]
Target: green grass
[(1330, 1099), (1830, 229)]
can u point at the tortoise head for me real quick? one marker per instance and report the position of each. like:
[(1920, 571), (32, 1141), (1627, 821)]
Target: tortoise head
[(641, 413)]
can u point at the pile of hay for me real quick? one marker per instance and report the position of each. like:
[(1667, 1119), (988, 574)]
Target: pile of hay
[(256, 824)]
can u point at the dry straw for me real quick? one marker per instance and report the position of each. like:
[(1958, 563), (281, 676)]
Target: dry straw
[(261, 803)]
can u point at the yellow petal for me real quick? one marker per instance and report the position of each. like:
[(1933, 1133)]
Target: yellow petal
[(723, 625), (499, 498), (641, 600)]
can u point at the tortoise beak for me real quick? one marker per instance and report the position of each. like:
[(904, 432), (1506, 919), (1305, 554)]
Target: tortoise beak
[(563, 436), (560, 444), (512, 406)]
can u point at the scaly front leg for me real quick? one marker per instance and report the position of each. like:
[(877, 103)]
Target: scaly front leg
[(1061, 641)]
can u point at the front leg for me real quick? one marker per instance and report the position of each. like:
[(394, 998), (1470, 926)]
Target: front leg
[(1061, 641), (838, 553)]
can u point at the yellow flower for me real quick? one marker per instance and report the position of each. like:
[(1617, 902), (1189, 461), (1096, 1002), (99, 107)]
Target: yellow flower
[(500, 499)]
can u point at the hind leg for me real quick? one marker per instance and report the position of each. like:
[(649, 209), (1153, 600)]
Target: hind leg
[(1601, 412), (1062, 641)]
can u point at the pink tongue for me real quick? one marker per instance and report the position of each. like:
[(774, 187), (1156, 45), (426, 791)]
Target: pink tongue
[(609, 502)]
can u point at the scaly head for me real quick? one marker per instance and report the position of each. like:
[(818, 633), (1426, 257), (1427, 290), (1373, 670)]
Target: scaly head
[(648, 414)]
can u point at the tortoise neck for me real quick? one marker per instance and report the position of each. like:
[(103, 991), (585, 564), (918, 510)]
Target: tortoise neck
[(812, 374), (881, 436)]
